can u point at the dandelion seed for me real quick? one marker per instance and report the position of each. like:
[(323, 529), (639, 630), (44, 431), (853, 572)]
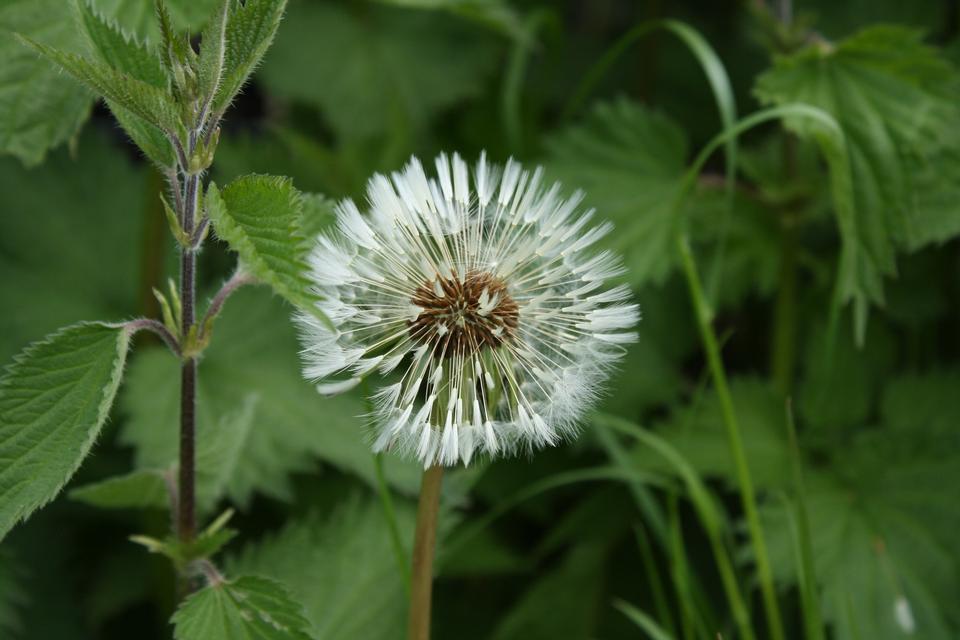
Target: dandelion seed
[(486, 306)]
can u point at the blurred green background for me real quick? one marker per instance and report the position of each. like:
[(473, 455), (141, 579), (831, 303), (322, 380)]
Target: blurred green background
[(352, 88)]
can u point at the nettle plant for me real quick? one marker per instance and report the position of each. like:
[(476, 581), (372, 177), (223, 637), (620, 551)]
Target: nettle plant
[(57, 394)]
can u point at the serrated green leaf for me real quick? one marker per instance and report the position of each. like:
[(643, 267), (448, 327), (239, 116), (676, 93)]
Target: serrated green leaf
[(883, 529), (113, 46), (254, 351), (380, 69), (143, 489), (53, 400), (249, 608), (88, 204), (212, 48), (143, 100), (894, 97), (353, 593), (250, 30), (259, 217), (630, 162), (120, 49)]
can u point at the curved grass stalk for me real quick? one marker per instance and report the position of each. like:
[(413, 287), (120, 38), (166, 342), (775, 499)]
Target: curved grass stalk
[(706, 511)]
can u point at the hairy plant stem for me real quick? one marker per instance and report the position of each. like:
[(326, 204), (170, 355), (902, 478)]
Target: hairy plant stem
[(424, 544), (704, 316), (186, 517)]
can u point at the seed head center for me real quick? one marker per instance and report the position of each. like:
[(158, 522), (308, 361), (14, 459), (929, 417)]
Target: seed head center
[(463, 316)]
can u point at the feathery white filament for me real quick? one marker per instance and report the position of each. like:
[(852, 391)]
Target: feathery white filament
[(479, 295)]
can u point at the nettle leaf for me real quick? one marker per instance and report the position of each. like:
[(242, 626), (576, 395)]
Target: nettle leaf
[(928, 401), (212, 51), (630, 161), (376, 69), (82, 202), (248, 608), (113, 46), (122, 50), (40, 108), (53, 400), (143, 100), (253, 353), (143, 489), (883, 523), (698, 433), (259, 217), (356, 592), (894, 97), (250, 30)]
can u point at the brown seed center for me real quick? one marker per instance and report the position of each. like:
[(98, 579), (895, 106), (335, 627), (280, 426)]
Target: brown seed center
[(461, 317)]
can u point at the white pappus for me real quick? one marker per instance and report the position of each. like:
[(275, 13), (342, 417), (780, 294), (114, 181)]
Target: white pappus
[(479, 298)]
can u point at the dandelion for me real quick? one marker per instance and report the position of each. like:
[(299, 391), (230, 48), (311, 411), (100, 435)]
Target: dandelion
[(480, 299)]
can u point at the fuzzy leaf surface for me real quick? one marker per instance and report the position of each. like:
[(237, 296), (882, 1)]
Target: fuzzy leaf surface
[(143, 100), (353, 593), (53, 400), (894, 96), (259, 217), (250, 30), (629, 160), (249, 608)]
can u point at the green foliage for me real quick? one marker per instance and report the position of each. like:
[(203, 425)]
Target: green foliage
[(249, 31), (376, 70), (630, 161), (858, 200), (249, 608), (253, 354), (353, 593), (893, 96), (39, 110), (697, 432), (53, 400), (113, 46), (141, 99), (882, 526), (82, 204), (259, 216), (143, 489)]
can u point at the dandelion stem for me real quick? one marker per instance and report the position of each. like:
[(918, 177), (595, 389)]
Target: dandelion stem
[(424, 544), (748, 497)]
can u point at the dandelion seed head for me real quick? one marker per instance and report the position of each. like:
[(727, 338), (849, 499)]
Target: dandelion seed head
[(481, 299)]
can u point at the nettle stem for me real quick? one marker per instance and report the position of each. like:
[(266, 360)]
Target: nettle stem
[(186, 516), (424, 545)]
